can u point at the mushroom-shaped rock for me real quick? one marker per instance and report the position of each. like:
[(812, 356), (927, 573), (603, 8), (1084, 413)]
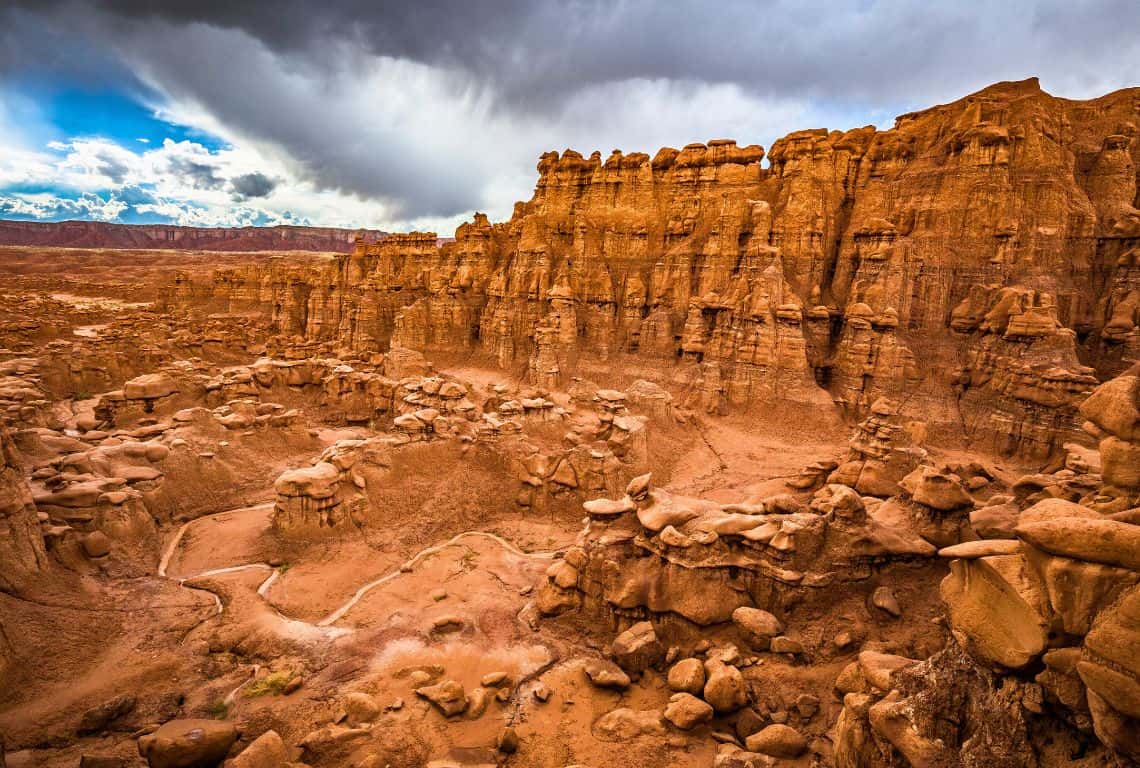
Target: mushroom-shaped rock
[(150, 386), (319, 481), (188, 744), (937, 490)]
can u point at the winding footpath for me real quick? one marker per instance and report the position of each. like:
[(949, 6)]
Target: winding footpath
[(339, 613)]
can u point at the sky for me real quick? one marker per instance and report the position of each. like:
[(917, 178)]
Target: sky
[(413, 115)]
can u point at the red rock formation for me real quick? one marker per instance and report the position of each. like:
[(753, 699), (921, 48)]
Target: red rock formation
[(989, 229), (22, 552)]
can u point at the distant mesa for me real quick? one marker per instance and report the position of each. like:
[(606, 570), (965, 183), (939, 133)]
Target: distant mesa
[(99, 234)]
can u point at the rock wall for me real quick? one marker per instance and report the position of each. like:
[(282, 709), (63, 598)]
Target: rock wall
[(22, 553), (984, 249)]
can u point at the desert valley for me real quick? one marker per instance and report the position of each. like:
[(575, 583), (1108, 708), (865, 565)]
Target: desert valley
[(819, 454)]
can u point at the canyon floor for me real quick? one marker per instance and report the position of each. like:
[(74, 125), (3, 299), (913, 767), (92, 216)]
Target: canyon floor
[(400, 561)]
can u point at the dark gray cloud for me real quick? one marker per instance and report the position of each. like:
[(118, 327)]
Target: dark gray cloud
[(340, 86), (197, 175), (536, 51), (252, 185)]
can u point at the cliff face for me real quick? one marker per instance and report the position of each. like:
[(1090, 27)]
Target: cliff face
[(979, 256), (22, 553), (98, 234)]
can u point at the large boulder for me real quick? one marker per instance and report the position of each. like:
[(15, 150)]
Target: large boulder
[(1092, 540), (688, 676), (996, 605), (188, 744), (1115, 407)]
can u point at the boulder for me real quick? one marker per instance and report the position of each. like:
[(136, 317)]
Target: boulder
[(1093, 540), (605, 674), (724, 687), (188, 744), (360, 708), (101, 716), (997, 606), (686, 711), (876, 668), (637, 649), (688, 676), (778, 741), (757, 626), (447, 695), (266, 751), (623, 724)]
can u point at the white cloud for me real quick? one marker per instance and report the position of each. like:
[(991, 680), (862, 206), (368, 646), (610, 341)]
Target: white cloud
[(45, 205)]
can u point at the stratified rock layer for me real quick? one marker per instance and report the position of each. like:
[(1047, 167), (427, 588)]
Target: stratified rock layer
[(986, 227)]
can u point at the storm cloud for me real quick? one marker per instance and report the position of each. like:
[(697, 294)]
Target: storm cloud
[(252, 185), (436, 108)]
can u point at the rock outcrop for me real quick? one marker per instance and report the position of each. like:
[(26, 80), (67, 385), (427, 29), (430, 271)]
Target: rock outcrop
[(22, 553), (1045, 625), (806, 282)]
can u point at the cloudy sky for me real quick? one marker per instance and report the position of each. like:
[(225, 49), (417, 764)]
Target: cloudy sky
[(400, 115)]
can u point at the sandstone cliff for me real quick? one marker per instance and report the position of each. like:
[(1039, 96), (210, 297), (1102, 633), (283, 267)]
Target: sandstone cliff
[(978, 261)]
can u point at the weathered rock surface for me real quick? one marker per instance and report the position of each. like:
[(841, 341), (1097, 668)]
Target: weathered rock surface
[(188, 744), (825, 267)]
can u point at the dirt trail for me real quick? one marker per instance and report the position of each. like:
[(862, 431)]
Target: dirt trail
[(339, 613)]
